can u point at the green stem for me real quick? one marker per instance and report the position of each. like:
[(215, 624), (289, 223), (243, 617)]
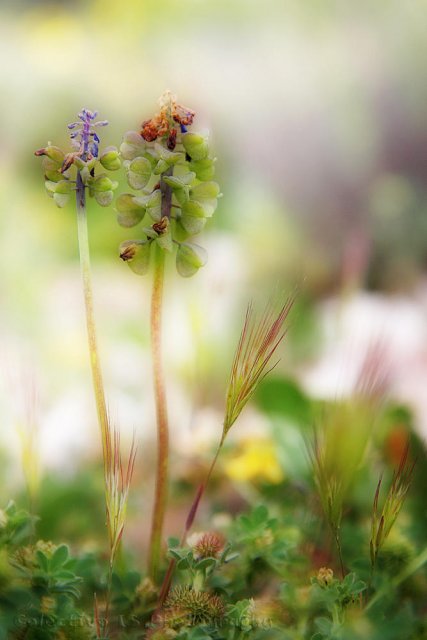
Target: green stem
[(338, 543), (98, 385), (106, 624), (161, 490)]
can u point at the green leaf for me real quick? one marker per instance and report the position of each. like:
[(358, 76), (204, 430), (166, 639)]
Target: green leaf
[(42, 560), (189, 259), (133, 145), (130, 210), (137, 255), (183, 564), (195, 145), (324, 625), (139, 173), (59, 557), (205, 563), (173, 542), (284, 397)]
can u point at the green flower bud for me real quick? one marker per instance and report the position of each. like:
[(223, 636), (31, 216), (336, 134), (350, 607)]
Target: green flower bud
[(163, 234), (204, 169), (53, 175), (193, 217), (50, 186), (137, 254), (193, 208), (139, 173), (160, 167), (189, 259), (103, 183), (205, 190), (80, 164), (110, 159), (154, 205), (133, 145), (166, 158), (178, 232), (50, 165), (54, 153), (195, 145), (178, 182), (152, 157), (104, 198), (61, 193), (193, 225), (129, 209), (206, 194)]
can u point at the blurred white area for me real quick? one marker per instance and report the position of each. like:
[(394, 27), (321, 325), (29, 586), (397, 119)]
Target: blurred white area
[(350, 328)]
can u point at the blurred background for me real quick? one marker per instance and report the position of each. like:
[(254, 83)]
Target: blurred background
[(317, 116)]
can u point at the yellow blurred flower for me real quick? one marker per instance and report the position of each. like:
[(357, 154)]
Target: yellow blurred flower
[(257, 460)]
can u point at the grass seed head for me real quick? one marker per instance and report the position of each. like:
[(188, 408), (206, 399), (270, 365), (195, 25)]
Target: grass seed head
[(383, 520), (252, 361)]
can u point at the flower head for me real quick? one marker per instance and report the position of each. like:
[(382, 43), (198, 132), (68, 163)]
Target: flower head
[(86, 158), (84, 137), (163, 124), (209, 545), (173, 170)]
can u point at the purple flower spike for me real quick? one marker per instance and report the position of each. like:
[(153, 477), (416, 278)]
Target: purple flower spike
[(87, 138)]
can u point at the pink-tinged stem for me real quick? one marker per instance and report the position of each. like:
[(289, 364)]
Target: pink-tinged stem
[(161, 490), (188, 524)]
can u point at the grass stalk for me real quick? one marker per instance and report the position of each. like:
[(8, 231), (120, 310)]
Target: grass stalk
[(258, 342)]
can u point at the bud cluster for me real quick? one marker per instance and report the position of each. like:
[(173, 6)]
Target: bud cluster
[(86, 158), (173, 170)]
